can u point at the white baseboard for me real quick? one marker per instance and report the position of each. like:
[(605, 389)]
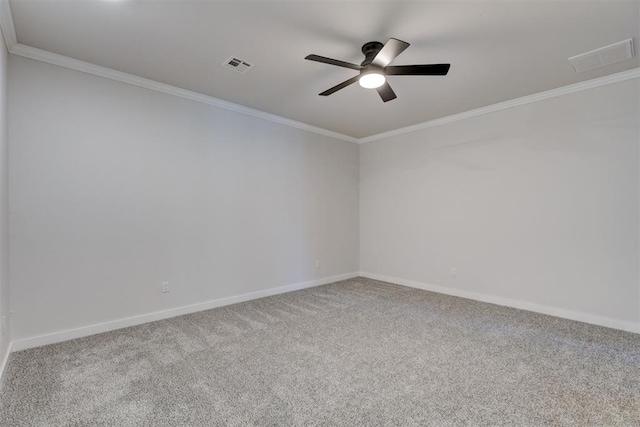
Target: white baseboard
[(84, 331), (3, 364), (98, 328), (522, 305)]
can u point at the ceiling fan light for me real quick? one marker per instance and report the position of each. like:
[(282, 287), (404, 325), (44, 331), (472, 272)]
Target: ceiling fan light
[(371, 80)]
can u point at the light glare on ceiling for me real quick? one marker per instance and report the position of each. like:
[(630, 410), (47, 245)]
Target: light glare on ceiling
[(371, 80)]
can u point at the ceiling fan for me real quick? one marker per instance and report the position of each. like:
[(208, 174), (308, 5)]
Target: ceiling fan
[(375, 68)]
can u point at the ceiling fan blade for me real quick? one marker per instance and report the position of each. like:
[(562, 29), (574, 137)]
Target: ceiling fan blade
[(330, 61), (418, 70), (389, 51), (340, 86), (386, 93)]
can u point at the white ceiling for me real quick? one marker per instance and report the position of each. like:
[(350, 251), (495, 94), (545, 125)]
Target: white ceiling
[(499, 50)]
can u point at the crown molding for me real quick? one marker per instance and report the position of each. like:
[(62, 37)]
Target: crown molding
[(9, 33), (11, 40), (540, 96), (109, 73), (6, 24)]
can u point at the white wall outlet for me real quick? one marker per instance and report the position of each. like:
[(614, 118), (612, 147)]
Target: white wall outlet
[(4, 325), (165, 287), (453, 272), (318, 263)]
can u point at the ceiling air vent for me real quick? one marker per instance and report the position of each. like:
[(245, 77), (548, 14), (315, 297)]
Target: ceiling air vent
[(237, 65), (604, 56)]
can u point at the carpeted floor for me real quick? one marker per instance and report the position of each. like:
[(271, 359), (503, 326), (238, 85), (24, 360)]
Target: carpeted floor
[(357, 352)]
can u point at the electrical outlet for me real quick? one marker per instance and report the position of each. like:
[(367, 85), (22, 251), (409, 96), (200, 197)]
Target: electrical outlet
[(453, 272), (165, 287), (318, 263), (4, 325)]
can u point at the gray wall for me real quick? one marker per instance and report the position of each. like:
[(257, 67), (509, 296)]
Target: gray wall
[(537, 205), (5, 331), (116, 189)]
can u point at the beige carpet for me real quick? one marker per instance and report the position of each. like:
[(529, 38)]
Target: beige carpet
[(357, 352)]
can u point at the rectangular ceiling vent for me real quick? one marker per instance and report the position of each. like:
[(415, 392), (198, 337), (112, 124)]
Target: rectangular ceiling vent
[(237, 65), (611, 54)]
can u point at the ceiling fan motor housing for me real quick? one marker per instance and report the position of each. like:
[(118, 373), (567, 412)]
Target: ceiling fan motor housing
[(370, 50)]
